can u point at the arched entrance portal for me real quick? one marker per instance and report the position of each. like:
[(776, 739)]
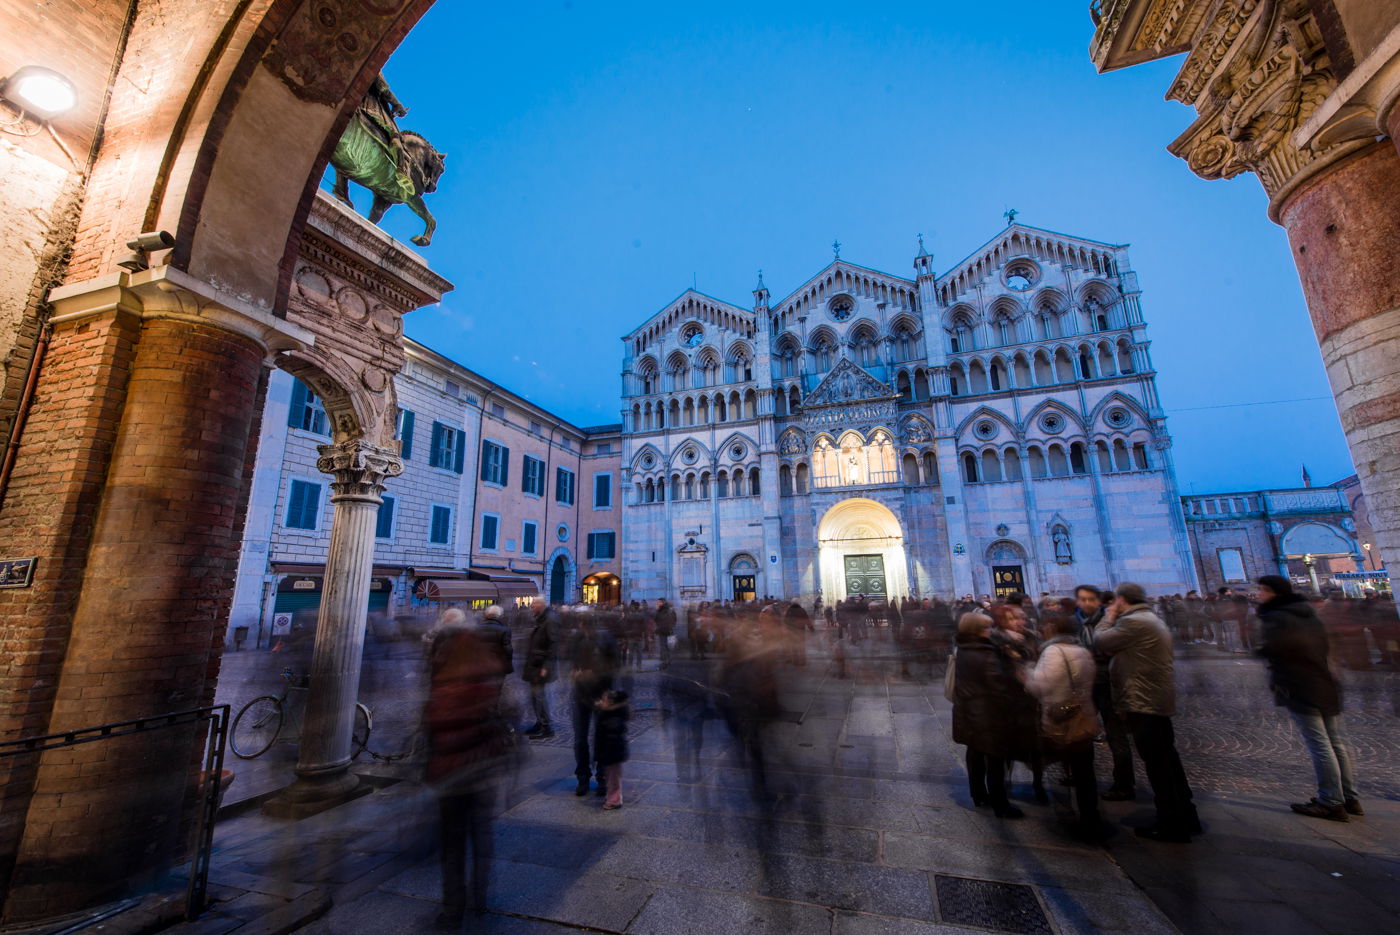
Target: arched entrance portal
[(558, 581), (861, 551), (602, 588)]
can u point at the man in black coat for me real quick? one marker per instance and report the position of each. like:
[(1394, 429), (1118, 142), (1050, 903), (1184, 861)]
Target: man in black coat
[(1089, 610), (540, 667), (1295, 646)]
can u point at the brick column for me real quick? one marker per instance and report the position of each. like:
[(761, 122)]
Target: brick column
[(323, 762), (1345, 235), (130, 486)]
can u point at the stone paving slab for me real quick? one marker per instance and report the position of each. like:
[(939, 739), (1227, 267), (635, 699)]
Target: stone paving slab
[(870, 802)]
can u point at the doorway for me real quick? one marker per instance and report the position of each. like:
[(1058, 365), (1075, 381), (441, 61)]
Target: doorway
[(1007, 580), (865, 574), (558, 580), (861, 547), (745, 587)]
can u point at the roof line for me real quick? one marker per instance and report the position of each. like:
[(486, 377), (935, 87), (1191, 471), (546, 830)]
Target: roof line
[(1027, 227), (818, 273)]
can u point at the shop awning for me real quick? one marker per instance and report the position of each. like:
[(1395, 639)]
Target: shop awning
[(509, 586), (449, 574), (440, 589)]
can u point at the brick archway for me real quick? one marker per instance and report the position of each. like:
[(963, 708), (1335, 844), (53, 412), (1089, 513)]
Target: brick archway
[(132, 472)]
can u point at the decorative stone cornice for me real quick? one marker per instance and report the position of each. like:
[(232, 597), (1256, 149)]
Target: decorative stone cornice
[(1361, 106), (1256, 71), (359, 469), (169, 292)]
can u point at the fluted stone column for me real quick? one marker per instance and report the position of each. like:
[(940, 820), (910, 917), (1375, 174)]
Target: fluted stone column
[(323, 763)]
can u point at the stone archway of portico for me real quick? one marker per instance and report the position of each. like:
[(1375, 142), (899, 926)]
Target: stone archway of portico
[(860, 526)]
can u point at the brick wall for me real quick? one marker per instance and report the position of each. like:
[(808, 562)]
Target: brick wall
[(148, 607)]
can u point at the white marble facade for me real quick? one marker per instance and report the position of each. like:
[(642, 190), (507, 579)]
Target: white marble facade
[(904, 436)]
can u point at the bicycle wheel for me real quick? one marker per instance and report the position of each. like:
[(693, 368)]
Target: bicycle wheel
[(256, 727), (359, 735)]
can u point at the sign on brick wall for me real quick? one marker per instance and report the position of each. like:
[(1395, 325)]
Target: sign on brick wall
[(16, 572)]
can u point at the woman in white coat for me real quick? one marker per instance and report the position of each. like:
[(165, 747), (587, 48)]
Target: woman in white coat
[(1063, 680)]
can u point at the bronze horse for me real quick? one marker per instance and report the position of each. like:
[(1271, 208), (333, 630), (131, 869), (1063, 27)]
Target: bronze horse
[(362, 156)]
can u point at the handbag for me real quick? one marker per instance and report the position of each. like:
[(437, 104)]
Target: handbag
[(950, 677), (1066, 711)]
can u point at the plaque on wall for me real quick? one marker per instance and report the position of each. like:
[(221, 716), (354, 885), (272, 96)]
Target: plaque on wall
[(17, 572)]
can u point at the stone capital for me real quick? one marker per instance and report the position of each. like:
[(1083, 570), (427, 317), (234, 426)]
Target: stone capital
[(168, 292), (1361, 106), (359, 469)]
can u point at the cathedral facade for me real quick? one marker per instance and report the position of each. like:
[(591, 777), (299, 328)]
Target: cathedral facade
[(992, 428)]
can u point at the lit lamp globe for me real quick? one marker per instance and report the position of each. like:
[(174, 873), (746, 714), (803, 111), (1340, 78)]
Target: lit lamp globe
[(40, 91)]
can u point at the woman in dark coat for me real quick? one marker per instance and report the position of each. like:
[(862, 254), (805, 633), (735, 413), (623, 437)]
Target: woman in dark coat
[(984, 716), (1300, 674)]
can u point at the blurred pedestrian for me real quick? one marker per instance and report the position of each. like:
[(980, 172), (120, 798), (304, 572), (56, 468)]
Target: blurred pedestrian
[(468, 745), (593, 659), (1142, 672), (983, 682), (611, 741), (1089, 612), (540, 667), (665, 630), (1300, 674), (1063, 680), (495, 634)]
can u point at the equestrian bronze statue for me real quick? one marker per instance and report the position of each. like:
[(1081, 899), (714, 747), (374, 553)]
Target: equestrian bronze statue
[(397, 166)]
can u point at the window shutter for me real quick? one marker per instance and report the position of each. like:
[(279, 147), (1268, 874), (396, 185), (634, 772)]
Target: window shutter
[(407, 435), (297, 412), (296, 496), (384, 526), (461, 439), (528, 539), (435, 454), (505, 466), (486, 450), (559, 485)]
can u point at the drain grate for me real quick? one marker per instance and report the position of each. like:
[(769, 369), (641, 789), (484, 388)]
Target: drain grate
[(1001, 907)]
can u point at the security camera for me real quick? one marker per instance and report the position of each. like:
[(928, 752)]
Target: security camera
[(142, 247), (151, 241)]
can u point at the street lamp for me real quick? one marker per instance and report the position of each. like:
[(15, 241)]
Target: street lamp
[(40, 91), (1366, 547), (1312, 573)]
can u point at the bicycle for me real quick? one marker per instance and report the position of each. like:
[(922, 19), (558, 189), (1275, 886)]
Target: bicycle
[(259, 723)]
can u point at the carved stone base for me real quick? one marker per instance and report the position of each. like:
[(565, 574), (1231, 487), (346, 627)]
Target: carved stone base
[(309, 796)]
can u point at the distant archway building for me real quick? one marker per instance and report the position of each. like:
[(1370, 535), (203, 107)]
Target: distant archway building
[(992, 428)]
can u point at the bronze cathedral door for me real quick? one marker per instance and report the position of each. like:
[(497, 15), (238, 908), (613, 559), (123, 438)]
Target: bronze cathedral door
[(865, 574)]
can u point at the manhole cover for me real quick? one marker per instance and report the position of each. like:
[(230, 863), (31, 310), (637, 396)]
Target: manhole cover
[(1001, 907)]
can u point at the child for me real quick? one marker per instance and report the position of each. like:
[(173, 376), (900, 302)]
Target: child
[(611, 743)]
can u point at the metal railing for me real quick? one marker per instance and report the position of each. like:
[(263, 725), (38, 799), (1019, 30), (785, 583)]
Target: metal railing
[(871, 479), (196, 893)]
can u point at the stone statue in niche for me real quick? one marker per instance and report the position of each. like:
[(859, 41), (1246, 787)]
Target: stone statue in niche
[(1060, 537), (398, 166)]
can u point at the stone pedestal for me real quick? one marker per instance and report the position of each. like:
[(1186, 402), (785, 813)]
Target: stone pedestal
[(323, 772)]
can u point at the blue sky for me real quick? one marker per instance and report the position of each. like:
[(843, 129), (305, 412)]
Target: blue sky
[(603, 156)]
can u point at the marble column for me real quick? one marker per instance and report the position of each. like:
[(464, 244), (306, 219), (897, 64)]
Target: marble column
[(323, 762)]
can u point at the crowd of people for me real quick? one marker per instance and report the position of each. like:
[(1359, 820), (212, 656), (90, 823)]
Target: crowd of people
[(1039, 683)]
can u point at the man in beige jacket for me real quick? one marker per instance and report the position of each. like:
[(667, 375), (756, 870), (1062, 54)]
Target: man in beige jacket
[(1139, 648)]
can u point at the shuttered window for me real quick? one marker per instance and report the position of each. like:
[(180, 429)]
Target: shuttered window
[(384, 524), (495, 463), (602, 545), (306, 412), (532, 476), (529, 538), (490, 531), (303, 504), (440, 528), (564, 486)]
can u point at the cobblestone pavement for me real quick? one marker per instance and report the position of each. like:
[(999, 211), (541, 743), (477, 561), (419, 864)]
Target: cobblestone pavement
[(871, 818)]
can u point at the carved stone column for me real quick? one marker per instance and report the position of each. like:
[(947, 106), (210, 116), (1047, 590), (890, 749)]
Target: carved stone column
[(1287, 97), (323, 775)]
